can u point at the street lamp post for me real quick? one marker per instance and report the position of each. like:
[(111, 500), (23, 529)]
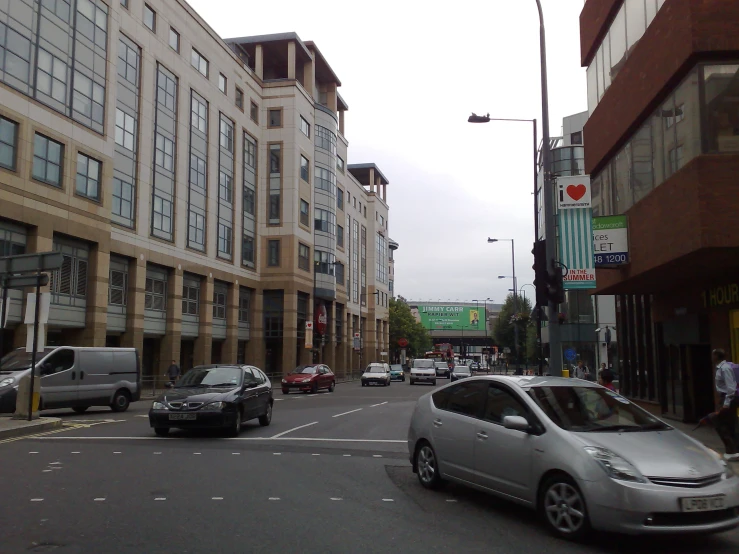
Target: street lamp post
[(515, 298), (486, 329), (555, 342)]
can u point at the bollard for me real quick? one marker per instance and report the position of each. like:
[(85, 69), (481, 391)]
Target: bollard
[(565, 373), (21, 401)]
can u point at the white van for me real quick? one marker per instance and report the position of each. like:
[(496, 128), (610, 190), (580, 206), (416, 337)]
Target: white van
[(74, 377)]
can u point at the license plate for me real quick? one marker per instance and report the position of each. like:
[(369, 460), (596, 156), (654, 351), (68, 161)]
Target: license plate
[(703, 504), (188, 417)]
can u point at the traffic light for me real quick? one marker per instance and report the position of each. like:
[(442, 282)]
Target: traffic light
[(555, 288), (541, 276)]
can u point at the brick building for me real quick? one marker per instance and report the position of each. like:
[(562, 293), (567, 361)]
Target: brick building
[(663, 148)]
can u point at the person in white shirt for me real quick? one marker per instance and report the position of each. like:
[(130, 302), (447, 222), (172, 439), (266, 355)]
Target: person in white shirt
[(727, 404)]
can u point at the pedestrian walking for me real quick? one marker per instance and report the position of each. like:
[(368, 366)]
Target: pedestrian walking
[(727, 404), (580, 370), (173, 372)]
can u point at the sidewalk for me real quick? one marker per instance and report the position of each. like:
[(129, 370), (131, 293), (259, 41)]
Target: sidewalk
[(12, 428)]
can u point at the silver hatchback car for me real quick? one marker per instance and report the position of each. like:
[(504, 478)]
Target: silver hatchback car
[(580, 454)]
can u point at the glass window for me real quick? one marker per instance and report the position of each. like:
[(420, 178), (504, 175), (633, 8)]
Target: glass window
[(122, 198), (636, 22), (275, 184), (275, 118), (467, 398), (592, 75), (304, 127), (164, 152), (339, 236), (51, 78), (324, 262), (222, 83), (224, 239), (340, 163), (117, 287), (576, 138), (643, 175), (273, 253), (199, 114), (225, 186), (501, 404), (162, 214), (617, 35), (155, 294), (599, 68), (199, 62), (125, 130), (244, 302), (247, 250), (239, 99), (150, 18), (304, 169), (227, 134), (196, 230), (190, 300), (88, 177), (721, 83), (174, 39), (47, 160), (303, 257), (304, 213), (8, 143), (340, 199), (621, 180), (219, 305), (124, 3), (254, 112)]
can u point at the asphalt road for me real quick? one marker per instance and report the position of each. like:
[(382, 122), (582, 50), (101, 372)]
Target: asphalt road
[(330, 475)]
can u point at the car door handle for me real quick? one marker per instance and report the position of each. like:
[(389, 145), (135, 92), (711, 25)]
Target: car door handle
[(482, 435), (438, 423)]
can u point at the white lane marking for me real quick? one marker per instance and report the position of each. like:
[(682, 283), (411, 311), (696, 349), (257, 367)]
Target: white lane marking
[(309, 395), (376, 456), (160, 498), (347, 455), (116, 452), (217, 498), (56, 467), (388, 500), (277, 453), (33, 452), (157, 452), (99, 499), (380, 404), (37, 499), (45, 471), (55, 463), (336, 499), (75, 452), (196, 453), (388, 441), (450, 500), (278, 435), (274, 498), (315, 454), (235, 453), (279, 399), (141, 416), (349, 412)]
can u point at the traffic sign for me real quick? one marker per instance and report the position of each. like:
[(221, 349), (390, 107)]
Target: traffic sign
[(29, 263), (570, 354), (22, 281), (402, 343)]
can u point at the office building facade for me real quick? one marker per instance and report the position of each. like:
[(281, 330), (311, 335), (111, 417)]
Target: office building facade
[(198, 188)]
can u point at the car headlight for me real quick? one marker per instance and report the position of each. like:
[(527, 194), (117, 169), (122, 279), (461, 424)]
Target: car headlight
[(284, 381), (728, 470), (7, 382), (158, 406), (614, 465), (213, 407)]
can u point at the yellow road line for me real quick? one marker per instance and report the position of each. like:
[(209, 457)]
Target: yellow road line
[(65, 427)]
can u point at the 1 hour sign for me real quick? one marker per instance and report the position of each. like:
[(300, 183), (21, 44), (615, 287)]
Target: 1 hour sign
[(610, 240)]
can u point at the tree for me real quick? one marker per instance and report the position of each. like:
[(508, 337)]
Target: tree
[(404, 326), (504, 330)]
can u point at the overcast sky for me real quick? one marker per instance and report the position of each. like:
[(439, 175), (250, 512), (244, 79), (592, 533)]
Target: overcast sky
[(412, 72)]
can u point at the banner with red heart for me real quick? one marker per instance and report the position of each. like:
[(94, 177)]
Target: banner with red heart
[(573, 192)]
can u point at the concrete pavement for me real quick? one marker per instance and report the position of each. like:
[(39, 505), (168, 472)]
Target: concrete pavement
[(329, 475)]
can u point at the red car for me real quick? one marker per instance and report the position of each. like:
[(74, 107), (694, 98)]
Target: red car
[(309, 378)]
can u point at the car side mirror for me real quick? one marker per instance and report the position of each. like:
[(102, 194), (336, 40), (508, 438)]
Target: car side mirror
[(517, 423)]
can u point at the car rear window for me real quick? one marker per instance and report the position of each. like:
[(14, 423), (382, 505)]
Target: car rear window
[(423, 364)]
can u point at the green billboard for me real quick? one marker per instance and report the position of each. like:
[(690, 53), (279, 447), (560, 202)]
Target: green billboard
[(451, 318)]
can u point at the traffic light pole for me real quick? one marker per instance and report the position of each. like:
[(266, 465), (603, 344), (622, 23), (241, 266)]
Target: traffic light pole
[(555, 342)]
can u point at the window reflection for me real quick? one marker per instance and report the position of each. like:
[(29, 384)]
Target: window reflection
[(721, 84)]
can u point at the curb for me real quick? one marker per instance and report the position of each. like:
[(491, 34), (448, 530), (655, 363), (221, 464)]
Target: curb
[(20, 428)]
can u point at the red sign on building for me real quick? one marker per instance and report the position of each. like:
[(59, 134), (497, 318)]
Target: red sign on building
[(321, 319)]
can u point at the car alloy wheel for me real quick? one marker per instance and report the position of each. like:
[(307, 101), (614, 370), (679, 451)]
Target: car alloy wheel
[(564, 508), (332, 387), (427, 468), (236, 427), (266, 419)]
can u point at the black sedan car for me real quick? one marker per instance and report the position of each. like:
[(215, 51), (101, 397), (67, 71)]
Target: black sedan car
[(214, 397)]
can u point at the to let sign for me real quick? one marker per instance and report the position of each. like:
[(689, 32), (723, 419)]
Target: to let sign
[(610, 241)]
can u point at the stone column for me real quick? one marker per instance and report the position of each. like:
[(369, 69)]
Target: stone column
[(372, 179), (291, 60), (170, 342), (309, 77), (96, 312), (204, 343), (133, 337), (341, 122), (259, 61), (331, 98), (255, 345), (231, 344), (289, 332)]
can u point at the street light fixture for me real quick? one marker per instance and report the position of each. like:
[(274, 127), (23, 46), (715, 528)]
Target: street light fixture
[(515, 296), (555, 343)]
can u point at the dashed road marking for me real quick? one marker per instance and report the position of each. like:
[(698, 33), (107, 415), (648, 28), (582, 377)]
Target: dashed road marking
[(388, 500), (116, 452), (99, 499), (277, 453), (37, 499), (335, 498), (380, 404), (315, 454), (274, 497), (347, 455), (55, 463), (157, 452), (450, 500), (33, 452), (217, 498), (160, 498), (45, 471), (349, 412), (142, 416), (75, 452), (196, 453), (235, 453), (377, 455), (278, 435)]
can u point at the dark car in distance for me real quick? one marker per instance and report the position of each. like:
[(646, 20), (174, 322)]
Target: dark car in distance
[(214, 397), (309, 378)]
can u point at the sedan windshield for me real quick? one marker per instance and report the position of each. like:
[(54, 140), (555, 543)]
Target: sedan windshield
[(211, 377), (375, 369), (305, 369), (593, 409), (16, 360)]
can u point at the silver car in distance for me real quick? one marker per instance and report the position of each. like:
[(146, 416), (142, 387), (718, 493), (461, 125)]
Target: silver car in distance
[(581, 455)]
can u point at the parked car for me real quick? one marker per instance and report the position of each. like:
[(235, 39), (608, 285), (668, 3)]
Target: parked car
[(460, 372), (583, 456), (442, 369), (396, 372), (214, 397), (377, 373), (74, 377), (475, 366), (309, 378), (423, 371)]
